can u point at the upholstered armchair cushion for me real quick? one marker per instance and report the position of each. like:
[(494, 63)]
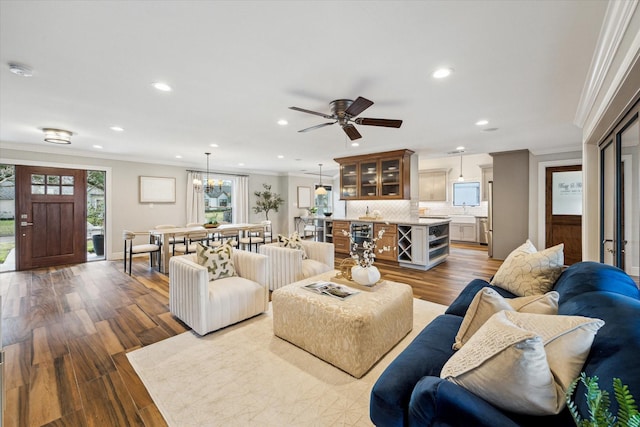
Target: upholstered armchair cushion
[(286, 265), (207, 305)]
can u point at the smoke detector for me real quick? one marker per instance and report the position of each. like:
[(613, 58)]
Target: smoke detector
[(20, 70)]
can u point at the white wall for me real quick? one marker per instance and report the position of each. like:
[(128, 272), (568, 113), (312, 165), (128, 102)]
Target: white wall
[(123, 208)]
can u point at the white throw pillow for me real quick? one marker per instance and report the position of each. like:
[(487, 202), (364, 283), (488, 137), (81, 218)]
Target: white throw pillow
[(218, 261), (292, 242), (528, 272), (487, 302), (524, 362)]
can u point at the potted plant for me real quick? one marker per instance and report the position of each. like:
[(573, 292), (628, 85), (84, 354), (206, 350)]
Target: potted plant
[(598, 402), (267, 201)]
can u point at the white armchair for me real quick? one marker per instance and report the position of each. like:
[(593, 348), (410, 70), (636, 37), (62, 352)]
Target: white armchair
[(286, 265), (210, 305)]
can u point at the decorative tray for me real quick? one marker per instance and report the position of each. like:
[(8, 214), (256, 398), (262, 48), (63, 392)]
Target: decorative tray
[(341, 280)]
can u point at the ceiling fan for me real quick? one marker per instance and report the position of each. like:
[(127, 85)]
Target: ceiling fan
[(344, 111)]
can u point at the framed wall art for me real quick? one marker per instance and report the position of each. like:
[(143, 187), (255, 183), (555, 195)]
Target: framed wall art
[(304, 197), (155, 189)]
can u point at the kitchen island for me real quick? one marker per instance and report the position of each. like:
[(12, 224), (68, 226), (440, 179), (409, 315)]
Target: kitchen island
[(419, 243)]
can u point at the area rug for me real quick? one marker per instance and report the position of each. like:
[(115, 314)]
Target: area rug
[(243, 375)]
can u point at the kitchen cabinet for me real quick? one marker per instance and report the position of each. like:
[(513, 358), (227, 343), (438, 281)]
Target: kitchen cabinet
[(463, 232), (487, 175), (388, 240), (433, 185), (376, 176), (422, 246), (341, 241)]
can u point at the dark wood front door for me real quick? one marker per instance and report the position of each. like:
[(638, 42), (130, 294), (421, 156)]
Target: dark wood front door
[(564, 220), (50, 222)]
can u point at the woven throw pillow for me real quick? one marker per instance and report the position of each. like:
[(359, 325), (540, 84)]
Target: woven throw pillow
[(218, 261), (292, 242), (528, 272), (523, 362), (487, 302)]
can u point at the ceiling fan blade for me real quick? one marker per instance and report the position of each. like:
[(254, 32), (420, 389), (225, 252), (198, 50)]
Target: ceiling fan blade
[(326, 116), (321, 125), (358, 106), (379, 122), (351, 132)]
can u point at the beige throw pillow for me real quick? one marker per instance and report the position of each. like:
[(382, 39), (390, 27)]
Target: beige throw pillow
[(528, 272), (218, 261), (487, 302), (292, 242), (524, 362)]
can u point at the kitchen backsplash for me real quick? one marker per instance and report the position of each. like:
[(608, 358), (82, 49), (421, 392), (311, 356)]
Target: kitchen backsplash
[(445, 208), (402, 210), (405, 210)]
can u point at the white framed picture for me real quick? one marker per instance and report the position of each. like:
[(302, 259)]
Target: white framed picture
[(156, 189), (304, 197)]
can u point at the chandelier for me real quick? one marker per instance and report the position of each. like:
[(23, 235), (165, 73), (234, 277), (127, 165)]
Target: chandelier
[(209, 184)]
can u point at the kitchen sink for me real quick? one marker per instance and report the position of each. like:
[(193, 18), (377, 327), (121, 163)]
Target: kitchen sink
[(463, 219)]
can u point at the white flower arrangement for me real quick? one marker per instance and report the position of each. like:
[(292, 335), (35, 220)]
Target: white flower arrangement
[(369, 249)]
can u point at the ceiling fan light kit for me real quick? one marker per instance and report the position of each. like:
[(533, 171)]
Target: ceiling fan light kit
[(344, 112)]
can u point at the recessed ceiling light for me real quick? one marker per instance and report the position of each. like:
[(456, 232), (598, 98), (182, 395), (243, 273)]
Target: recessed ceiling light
[(20, 70), (355, 144), (178, 156), (283, 122), (482, 122), (441, 73), (460, 148), (98, 147), (214, 145), (240, 164), (162, 86), (280, 156), (117, 129)]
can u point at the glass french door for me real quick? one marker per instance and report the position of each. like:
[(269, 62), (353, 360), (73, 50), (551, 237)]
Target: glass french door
[(620, 195)]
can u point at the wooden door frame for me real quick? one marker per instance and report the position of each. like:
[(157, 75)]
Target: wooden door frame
[(108, 196), (72, 248), (542, 167)]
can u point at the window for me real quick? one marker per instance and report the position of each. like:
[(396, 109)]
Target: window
[(466, 193), (218, 200)]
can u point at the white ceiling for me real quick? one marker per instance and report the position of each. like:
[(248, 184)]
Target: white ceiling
[(236, 67)]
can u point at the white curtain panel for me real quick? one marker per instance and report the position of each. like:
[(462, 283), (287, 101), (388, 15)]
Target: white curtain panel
[(195, 200), (241, 200)]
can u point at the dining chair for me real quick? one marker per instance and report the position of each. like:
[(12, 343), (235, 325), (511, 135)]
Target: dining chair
[(253, 237), (178, 238), (268, 231), (231, 235), (152, 248), (191, 239)]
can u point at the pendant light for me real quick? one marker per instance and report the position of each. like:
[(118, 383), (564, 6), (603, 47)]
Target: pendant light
[(321, 191), (208, 185), (460, 178)]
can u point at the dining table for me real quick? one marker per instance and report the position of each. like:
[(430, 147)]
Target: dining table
[(165, 235)]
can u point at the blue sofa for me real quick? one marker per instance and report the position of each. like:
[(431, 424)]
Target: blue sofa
[(410, 391)]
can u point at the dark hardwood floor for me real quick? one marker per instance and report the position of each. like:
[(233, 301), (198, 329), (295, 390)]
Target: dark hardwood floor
[(66, 332)]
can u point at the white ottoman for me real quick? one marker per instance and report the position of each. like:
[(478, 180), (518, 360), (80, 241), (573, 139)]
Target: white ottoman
[(351, 334)]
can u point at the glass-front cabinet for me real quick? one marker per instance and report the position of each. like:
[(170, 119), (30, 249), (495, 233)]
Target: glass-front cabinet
[(376, 176), (349, 181), (390, 177), (368, 179)]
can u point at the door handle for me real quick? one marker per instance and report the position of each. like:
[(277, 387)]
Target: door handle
[(25, 223), (607, 240)]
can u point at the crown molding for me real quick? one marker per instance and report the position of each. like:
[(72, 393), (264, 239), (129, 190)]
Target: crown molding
[(614, 26)]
